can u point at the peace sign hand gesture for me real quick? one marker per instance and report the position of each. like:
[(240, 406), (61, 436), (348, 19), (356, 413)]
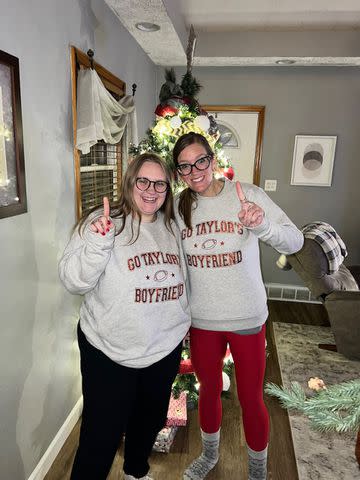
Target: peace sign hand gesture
[(103, 224), (250, 215)]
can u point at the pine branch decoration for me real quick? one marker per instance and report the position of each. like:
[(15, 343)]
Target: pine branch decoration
[(292, 398), (190, 86), (336, 408), (170, 87), (170, 75)]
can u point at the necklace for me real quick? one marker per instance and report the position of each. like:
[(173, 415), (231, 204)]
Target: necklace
[(214, 189)]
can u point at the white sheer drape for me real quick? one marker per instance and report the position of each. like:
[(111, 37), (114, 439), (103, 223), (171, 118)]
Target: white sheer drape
[(100, 116)]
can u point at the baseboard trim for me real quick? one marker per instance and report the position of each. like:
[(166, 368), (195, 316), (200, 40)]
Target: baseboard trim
[(55, 446)]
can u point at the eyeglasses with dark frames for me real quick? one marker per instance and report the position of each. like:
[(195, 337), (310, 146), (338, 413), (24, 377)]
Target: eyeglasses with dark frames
[(201, 164), (143, 184)]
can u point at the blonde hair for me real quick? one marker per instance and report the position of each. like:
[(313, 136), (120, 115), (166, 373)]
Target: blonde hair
[(126, 207)]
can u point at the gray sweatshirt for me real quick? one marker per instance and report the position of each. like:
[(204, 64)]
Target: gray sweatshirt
[(222, 256), (135, 307)]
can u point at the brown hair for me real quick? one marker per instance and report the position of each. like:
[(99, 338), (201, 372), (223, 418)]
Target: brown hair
[(187, 197), (126, 207)]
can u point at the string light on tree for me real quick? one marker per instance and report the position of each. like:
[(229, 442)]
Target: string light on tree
[(179, 112)]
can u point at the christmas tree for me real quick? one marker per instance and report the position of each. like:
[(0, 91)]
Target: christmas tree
[(179, 112), (186, 380)]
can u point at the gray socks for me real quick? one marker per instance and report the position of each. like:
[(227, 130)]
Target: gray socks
[(257, 464), (207, 460)]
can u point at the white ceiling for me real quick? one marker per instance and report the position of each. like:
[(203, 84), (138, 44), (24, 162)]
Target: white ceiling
[(215, 16), (246, 32)]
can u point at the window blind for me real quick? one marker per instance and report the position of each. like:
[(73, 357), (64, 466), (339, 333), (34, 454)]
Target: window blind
[(100, 175)]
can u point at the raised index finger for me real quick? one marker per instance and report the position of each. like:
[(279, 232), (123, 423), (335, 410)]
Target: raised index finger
[(106, 207), (240, 192)]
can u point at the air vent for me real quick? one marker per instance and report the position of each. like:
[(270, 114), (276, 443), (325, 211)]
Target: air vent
[(289, 293)]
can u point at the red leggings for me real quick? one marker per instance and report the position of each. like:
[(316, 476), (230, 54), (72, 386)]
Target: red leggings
[(208, 349)]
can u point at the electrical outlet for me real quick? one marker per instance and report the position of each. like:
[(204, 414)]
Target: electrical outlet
[(270, 185)]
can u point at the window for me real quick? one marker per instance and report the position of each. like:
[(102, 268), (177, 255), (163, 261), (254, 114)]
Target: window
[(228, 137), (98, 173)]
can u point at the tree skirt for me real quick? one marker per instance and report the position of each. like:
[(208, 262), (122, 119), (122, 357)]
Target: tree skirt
[(319, 456)]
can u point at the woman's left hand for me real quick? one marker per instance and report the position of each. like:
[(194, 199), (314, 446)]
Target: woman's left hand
[(250, 215)]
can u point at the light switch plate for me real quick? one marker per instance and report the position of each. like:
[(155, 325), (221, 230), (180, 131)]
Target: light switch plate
[(270, 185)]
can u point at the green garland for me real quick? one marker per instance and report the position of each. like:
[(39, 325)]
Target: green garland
[(336, 408)]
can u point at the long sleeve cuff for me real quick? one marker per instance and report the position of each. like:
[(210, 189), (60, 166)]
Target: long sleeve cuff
[(261, 229)]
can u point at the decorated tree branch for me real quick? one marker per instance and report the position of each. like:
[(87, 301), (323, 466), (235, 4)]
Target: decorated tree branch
[(333, 408), (186, 380)]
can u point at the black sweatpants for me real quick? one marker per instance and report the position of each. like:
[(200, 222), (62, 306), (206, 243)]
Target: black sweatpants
[(119, 400)]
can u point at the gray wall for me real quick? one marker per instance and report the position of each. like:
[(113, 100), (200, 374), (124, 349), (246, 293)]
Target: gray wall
[(39, 371), (299, 100)]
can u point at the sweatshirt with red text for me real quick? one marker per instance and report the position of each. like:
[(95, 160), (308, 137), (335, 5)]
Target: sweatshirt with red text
[(223, 260), (135, 307)]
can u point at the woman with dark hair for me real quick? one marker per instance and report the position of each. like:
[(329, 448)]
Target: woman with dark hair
[(221, 223), (126, 261)]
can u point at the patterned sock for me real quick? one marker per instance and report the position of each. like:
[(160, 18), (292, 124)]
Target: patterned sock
[(208, 458), (257, 464)]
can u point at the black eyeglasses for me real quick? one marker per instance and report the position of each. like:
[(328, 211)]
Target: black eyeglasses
[(143, 183), (200, 164)]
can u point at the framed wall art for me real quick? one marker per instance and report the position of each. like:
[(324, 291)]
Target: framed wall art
[(12, 170), (241, 134), (313, 160)]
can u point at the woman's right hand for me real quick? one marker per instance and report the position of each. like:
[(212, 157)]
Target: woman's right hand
[(103, 224)]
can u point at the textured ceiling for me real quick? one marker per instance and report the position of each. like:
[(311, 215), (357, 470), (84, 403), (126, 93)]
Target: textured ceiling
[(248, 32), (212, 15)]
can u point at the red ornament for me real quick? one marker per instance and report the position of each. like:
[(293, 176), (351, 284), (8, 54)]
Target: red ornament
[(164, 110), (228, 172), (187, 100), (187, 367)]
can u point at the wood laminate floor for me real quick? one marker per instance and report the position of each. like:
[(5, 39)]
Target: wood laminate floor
[(233, 456)]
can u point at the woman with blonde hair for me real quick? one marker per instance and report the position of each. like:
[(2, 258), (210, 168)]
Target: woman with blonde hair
[(126, 261)]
